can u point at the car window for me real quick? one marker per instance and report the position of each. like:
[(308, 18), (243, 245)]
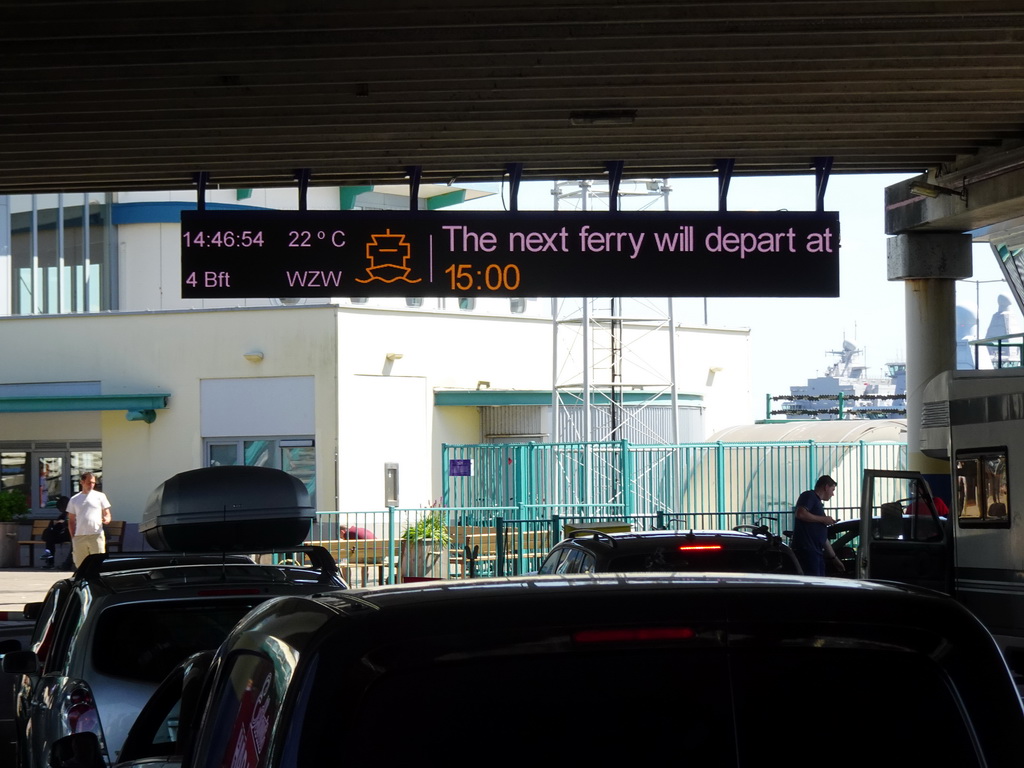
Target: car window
[(70, 621), (46, 625), (163, 726), (693, 722), (982, 488), (909, 722), (749, 690), (550, 565), (144, 641), (155, 731), (571, 562), (240, 720), (849, 539)]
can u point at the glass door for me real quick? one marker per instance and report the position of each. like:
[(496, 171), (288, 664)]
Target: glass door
[(50, 481)]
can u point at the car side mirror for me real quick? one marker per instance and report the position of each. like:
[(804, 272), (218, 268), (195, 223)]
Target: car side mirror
[(32, 611), (79, 750), (21, 663), (9, 646)]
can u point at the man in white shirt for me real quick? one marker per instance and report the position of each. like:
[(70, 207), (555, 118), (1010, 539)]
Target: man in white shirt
[(88, 512)]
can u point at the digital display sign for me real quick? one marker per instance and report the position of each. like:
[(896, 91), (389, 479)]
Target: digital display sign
[(264, 254)]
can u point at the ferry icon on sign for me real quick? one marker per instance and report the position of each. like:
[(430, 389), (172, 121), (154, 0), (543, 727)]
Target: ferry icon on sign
[(389, 259)]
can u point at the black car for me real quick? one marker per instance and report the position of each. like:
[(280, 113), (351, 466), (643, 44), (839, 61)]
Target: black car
[(753, 550), (700, 669)]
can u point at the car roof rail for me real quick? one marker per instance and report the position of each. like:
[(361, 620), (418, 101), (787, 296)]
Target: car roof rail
[(604, 536), (94, 565)]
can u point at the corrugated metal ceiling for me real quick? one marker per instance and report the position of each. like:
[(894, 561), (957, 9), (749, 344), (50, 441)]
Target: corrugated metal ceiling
[(141, 95)]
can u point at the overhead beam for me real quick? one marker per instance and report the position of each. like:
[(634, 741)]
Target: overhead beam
[(987, 202)]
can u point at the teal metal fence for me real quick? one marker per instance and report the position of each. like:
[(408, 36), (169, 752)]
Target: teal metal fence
[(699, 479), (504, 505)]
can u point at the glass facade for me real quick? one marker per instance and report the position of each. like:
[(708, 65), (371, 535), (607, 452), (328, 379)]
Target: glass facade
[(50, 470), (62, 256)]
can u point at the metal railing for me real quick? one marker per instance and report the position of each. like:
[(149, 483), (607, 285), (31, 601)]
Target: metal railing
[(689, 479), (840, 406), (498, 546), (523, 495), (1003, 351)]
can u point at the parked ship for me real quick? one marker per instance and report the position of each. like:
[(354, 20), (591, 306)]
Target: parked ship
[(846, 391)]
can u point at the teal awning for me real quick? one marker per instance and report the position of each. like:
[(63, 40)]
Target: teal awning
[(54, 403)]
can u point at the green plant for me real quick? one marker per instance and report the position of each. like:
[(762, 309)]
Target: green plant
[(433, 526), (13, 505)]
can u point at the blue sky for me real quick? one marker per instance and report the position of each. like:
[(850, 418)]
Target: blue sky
[(791, 337)]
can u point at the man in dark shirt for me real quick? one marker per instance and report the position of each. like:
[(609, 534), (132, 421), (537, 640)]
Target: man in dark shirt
[(810, 538)]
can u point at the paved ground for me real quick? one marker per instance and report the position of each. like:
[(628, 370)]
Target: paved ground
[(24, 585)]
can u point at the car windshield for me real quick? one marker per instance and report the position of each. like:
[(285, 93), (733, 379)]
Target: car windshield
[(144, 641)]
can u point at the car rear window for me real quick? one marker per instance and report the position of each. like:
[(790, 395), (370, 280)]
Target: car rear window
[(697, 559), (144, 641), (701, 705)]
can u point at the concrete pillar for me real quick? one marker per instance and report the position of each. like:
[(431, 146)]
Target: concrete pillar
[(930, 264)]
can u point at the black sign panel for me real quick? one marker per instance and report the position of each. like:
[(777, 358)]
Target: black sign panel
[(259, 254)]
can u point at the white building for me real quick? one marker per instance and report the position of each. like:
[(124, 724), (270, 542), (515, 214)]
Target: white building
[(106, 367)]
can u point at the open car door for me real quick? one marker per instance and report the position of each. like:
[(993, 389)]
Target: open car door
[(902, 536)]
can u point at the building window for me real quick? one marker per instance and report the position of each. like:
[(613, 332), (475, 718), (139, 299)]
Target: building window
[(14, 472), (61, 260), (295, 455), (517, 304), (467, 303), (42, 475), (414, 302)]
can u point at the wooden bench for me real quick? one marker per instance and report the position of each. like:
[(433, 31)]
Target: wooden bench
[(359, 555), (35, 538), (470, 545), (527, 545), (114, 531), (114, 534), (478, 545), (334, 546)]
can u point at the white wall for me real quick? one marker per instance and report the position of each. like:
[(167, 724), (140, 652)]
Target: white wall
[(166, 353)]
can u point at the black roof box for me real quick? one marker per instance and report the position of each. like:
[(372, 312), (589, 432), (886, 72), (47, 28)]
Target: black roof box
[(230, 509)]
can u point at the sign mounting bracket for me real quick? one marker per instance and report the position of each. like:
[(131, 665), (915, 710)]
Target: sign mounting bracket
[(725, 168), (415, 174), (822, 170), (303, 175), (615, 168), (515, 176), (201, 179)]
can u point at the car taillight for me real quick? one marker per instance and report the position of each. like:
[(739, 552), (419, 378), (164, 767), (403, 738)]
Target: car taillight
[(643, 634), (81, 714), (693, 547)]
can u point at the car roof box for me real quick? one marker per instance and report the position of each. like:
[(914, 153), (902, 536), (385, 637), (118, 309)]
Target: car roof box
[(231, 509)]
